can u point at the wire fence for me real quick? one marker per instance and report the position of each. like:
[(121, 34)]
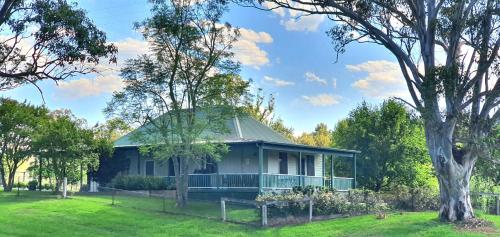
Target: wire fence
[(160, 201), (486, 202), (240, 211), (243, 211)]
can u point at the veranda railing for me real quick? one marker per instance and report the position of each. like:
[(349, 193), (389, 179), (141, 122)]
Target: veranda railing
[(251, 180)]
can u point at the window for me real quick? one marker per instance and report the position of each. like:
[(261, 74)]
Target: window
[(310, 165), (283, 162), (150, 168), (207, 166)]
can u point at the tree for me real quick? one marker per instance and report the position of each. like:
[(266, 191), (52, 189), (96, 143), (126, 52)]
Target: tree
[(257, 107), (321, 136), (66, 146), (18, 123), (105, 135), (47, 39), (392, 145), (448, 54), (184, 92)]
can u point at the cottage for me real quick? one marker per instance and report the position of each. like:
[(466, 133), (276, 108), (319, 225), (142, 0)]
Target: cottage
[(259, 160)]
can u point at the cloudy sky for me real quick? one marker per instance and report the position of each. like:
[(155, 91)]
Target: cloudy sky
[(284, 54)]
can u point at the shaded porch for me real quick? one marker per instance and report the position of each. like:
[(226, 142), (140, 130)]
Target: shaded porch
[(264, 166), (251, 181)]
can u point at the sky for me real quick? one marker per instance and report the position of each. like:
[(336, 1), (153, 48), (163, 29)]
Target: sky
[(284, 53)]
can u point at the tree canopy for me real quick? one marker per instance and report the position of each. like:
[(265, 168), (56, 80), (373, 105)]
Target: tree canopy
[(263, 110), (66, 146), (19, 122), (448, 53), (187, 86), (47, 39), (392, 145)]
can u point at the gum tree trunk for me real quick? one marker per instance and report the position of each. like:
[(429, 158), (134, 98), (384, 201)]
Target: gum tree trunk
[(181, 181), (453, 173)]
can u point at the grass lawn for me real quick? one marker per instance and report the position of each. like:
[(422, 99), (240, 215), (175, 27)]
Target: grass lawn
[(35, 214)]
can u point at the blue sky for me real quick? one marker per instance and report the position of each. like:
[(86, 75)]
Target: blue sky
[(290, 57)]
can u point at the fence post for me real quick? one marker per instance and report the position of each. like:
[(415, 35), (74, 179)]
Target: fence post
[(113, 197), (65, 187), (264, 214), (310, 210), (164, 202), (18, 184), (223, 209), (497, 200)]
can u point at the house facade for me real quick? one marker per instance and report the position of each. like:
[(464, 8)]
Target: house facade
[(259, 160)]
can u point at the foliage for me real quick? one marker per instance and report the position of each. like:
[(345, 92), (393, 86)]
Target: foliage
[(48, 187), (184, 91), (32, 185), (47, 39), (109, 165), (18, 124), (392, 145), (127, 182), (20, 185), (322, 136), (486, 169), (257, 107), (448, 55), (325, 202), (412, 198), (67, 147)]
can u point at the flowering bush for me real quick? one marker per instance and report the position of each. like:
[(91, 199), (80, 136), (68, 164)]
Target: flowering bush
[(325, 202)]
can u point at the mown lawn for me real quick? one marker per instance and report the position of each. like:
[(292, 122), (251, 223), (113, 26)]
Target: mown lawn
[(44, 215)]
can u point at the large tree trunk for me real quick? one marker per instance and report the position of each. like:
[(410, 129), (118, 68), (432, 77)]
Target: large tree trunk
[(453, 173), (181, 181)]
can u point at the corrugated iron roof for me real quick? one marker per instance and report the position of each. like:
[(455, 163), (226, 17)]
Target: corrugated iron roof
[(240, 129)]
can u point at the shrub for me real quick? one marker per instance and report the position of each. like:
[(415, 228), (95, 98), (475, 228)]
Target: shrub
[(19, 185), (325, 202), (139, 183), (32, 185), (415, 199), (48, 187)]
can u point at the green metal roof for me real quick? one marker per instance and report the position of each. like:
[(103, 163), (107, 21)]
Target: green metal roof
[(240, 129)]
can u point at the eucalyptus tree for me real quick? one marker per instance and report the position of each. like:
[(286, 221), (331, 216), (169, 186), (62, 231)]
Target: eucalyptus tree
[(263, 110), (47, 39), (18, 123), (185, 89), (448, 54)]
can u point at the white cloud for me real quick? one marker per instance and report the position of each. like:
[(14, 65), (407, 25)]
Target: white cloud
[(310, 76), (383, 79), (85, 87), (334, 83), (130, 48), (296, 20), (322, 99), (278, 82), (246, 50), (273, 7), (303, 23), (107, 81)]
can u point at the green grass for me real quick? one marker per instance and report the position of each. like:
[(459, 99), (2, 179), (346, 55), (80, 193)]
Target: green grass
[(35, 214)]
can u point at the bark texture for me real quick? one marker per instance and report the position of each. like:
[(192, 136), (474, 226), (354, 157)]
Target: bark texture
[(453, 172)]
